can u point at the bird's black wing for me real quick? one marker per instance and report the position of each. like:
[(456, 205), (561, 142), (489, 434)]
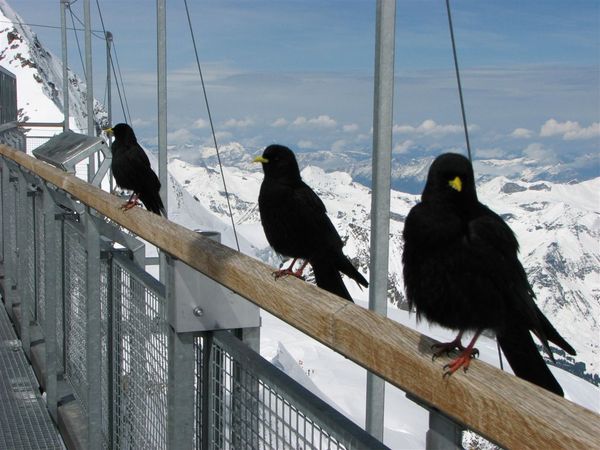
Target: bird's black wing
[(492, 236)]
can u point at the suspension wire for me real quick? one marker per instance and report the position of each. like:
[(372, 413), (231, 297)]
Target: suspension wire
[(55, 27), (464, 119), (94, 33), (462, 103), (128, 116), (118, 89), (113, 69), (212, 128), (77, 40)]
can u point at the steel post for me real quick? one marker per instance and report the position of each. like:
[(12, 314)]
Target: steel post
[(93, 333), (23, 243), (51, 263), (380, 201), (65, 69), (161, 49), (180, 413), (89, 86)]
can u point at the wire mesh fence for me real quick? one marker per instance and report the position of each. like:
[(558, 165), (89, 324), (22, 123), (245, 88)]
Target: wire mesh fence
[(74, 313), (140, 371), (240, 400)]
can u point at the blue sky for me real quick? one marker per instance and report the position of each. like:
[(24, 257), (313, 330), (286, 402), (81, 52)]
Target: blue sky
[(300, 72)]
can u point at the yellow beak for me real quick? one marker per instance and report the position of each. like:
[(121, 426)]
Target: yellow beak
[(108, 130), (260, 159), (456, 183)]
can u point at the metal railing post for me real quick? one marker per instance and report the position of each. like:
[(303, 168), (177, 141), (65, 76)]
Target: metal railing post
[(7, 244), (52, 283), (93, 333), (180, 412), (23, 242), (443, 433)]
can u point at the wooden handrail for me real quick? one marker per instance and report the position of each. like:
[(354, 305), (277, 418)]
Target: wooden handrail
[(501, 407)]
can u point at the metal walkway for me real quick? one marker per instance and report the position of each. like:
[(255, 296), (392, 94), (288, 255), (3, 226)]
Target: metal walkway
[(24, 420)]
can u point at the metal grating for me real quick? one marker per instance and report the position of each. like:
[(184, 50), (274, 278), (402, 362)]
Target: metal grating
[(140, 361), (24, 420), (74, 279), (251, 404)]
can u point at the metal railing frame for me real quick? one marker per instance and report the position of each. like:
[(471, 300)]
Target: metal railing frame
[(20, 190)]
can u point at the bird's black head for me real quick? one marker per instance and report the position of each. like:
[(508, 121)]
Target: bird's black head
[(123, 133), (279, 162), (450, 178)]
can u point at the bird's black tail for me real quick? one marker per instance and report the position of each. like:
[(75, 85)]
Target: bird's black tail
[(552, 335), (153, 203), (328, 277), (526, 362), (345, 266)]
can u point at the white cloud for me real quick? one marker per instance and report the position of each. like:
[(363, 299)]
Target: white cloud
[(569, 130), (200, 123), (221, 135), (280, 122), (521, 133), (180, 136), (306, 144), (403, 147), (485, 153), (350, 128), (137, 122), (538, 152), (338, 145), (238, 123), (429, 127), (322, 121)]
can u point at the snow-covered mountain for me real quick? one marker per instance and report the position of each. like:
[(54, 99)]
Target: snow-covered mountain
[(558, 226), (409, 171)]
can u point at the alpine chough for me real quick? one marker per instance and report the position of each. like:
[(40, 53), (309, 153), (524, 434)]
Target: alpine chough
[(132, 171), (296, 224), (461, 271)]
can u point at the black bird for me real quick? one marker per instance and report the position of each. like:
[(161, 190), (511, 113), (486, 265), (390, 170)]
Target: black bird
[(132, 171), (296, 224), (461, 270)]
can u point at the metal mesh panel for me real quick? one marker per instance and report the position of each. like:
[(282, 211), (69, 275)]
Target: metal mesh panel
[(105, 329), (140, 362), (74, 339), (40, 258), (26, 252), (243, 402)]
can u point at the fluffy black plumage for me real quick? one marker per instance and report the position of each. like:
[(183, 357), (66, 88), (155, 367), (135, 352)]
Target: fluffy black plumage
[(461, 270), (131, 169), (296, 224)]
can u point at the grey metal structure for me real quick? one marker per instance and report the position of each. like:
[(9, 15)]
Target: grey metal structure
[(68, 148), (96, 327), (380, 201), (65, 67), (8, 97)]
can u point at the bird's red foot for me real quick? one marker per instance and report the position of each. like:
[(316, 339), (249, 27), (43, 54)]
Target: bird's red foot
[(285, 272), (130, 204), (289, 271), (463, 360)]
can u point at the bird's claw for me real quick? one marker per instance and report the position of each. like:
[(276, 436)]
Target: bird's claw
[(463, 360), (285, 272), (128, 205)]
